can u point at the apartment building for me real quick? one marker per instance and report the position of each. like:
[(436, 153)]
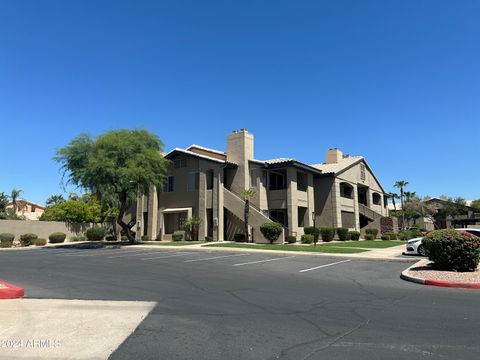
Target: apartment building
[(207, 183)]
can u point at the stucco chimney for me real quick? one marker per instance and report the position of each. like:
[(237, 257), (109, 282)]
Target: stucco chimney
[(334, 156), (240, 151)]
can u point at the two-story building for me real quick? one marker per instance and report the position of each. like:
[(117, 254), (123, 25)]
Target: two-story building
[(208, 183)]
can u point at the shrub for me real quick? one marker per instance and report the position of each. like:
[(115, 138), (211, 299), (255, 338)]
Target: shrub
[(310, 230), (354, 235), (369, 237), (76, 238), (208, 239), (57, 237), (391, 235), (6, 244), (95, 233), (271, 230), (28, 239), (124, 238), (452, 250), (146, 238), (409, 234), (307, 238), (111, 237), (291, 239), (342, 234), (385, 237), (373, 232), (177, 236), (327, 234), (7, 237), (239, 237), (40, 242)]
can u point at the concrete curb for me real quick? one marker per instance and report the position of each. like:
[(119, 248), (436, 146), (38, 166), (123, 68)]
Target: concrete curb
[(450, 284), (9, 291)]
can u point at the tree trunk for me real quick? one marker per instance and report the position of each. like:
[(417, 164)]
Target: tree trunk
[(125, 227), (245, 218)]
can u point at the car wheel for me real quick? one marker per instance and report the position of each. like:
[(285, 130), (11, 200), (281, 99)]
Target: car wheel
[(421, 251)]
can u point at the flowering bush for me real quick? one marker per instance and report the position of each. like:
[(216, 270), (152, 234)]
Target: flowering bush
[(452, 250)]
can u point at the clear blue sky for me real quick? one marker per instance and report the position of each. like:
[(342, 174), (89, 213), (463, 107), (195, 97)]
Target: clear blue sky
[(395, 81)]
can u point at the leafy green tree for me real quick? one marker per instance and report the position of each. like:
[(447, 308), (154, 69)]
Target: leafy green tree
[(116, 167), (476, 205), (73, 212), (3, 205), (54, 200), (246, 195)]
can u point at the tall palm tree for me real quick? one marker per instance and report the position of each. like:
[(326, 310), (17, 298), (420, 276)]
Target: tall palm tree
[(409, 195), (14, 195), (394, 196), (246, 195), (400, 184)]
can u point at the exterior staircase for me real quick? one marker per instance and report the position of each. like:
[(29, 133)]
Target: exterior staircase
[(236, 205), (374, 217)]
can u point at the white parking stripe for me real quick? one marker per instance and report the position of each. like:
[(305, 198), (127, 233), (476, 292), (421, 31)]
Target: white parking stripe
[(104, 252), (323, 266), (215, 257), (144, 252), (166, 257), (263, 261)]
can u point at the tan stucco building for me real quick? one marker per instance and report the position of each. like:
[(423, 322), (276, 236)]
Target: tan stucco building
[(342, 192), (27, 209)]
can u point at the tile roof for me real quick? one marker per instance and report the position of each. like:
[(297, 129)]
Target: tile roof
[(187, 152), (338, 167), (206, 149)]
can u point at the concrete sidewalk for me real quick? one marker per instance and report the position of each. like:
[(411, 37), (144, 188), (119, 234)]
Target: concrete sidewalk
[(67, 329)]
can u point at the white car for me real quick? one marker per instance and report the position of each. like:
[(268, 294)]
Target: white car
[(415, 246)]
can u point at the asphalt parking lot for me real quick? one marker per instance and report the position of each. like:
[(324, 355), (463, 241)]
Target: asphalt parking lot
[(230, 305)]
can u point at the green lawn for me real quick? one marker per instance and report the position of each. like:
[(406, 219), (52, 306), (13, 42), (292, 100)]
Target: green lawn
[(328, 248), (172, 243), (368, 244)]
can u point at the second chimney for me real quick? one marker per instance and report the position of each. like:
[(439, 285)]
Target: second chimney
[(334, 156)]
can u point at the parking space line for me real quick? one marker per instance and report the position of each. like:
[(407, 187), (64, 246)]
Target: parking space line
[(144, 252), (103, 252), (215, 257), (324, 266), (167, 257), (263, 261)]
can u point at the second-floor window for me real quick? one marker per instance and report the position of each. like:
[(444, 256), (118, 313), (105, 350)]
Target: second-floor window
[(168, 186), (362, 172), (209, 176), (277, 181), (180, 163), (193, 181), (253, 178)]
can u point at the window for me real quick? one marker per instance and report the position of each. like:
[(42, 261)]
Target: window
[(253, 178), (209, 175), (168, 185), (362, 171), (302, 212), (277, 181), (346, 190), (279, 216), (302, 181), (376, 198), (264, 178), (180, 163), (33, 208), (193, 181)]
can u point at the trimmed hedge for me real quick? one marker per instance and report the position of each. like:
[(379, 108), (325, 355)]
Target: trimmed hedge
[(76, 238), (342, 234), (146, 238), (291, 239), (57, 237), (354, 235), (208, 239), (7, 237), (239, 237), (409, 234), (307, 238), (369, 237), (391, 235), (373, 232), (327, 234), (95, 233), (310, 230), (452, 250), (40, 242), (385, 237), (271, 230), (28, 239)]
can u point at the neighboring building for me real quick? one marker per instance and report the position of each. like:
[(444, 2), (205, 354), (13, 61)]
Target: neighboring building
[(467, 216), (207, 183), (28, 209)]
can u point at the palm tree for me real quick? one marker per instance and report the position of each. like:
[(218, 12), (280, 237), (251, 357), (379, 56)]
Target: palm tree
[(394, 196), (410, 195), (246, 195), (400, 184), (14, 195)]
